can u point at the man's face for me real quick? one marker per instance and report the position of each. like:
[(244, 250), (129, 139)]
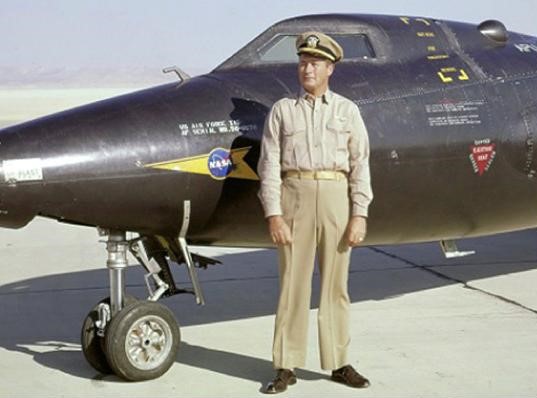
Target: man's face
[(314, 73)]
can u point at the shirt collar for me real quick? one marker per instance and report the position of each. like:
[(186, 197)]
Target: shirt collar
[(326, 97)]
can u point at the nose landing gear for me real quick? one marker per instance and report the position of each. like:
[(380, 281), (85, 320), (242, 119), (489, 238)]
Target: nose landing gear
[(139, 339), (136, 340)]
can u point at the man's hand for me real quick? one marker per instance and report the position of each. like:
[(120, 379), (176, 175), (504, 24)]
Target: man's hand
[(356, 230), (279, 230)]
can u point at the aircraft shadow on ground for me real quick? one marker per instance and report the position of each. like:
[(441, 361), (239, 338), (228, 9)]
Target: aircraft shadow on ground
[(45, 314)]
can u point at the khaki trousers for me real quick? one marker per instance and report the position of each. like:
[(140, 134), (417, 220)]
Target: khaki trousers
[(317, 211)]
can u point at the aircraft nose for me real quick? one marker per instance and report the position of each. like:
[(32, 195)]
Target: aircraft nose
[(89, 166), (127, 163)]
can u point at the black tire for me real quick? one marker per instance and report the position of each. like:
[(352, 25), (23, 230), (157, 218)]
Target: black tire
[(142, 341), (93, 345)]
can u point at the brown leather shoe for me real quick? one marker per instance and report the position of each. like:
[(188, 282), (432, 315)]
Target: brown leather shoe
[(349, 376), (284, 378)]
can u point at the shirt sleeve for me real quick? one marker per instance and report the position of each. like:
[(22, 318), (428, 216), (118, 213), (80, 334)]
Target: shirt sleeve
[(268, 167), (360, 190)]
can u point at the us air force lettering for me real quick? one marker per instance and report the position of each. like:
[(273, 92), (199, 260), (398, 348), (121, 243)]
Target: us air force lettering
[(451, 109)]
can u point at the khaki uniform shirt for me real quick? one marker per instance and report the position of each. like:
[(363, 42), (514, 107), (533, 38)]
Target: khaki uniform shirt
[(323, 133)]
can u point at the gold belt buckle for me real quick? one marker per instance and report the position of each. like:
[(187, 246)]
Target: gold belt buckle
[(320, 175), (327, 175)]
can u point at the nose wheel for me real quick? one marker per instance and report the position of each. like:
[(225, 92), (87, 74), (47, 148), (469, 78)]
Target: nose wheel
[(91, 341), (139, 343), (142, 340), (93, 332)]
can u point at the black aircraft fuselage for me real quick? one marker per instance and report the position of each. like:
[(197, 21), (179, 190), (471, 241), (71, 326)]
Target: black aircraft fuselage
[(451, 113)]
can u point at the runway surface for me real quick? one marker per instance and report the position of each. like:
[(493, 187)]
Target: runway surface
[(421, 325)]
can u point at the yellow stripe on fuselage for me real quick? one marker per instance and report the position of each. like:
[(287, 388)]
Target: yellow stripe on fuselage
[(199, 164)]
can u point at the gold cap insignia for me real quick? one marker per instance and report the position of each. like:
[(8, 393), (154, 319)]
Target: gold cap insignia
[(312, 41)]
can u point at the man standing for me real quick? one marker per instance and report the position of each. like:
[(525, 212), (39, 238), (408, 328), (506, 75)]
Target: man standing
[(315, 192)]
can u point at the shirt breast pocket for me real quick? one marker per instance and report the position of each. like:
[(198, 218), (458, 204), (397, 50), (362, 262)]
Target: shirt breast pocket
[(338, 135), (293, 145)]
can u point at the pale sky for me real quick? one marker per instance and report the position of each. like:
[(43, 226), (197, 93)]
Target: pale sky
[(195, 35)]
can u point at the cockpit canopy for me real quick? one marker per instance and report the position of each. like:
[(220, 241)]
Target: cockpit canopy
[(277, 44), (282, 49)]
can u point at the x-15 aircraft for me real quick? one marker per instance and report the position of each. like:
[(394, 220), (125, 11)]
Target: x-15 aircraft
[(451, 110)]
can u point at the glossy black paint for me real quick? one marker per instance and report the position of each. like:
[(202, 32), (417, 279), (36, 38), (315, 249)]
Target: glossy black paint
[(424, 184)]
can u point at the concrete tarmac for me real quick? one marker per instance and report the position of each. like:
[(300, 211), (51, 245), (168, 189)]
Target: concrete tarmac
[(422, 325)]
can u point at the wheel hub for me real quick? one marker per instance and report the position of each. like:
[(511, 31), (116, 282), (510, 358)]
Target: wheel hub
[(149, 342)]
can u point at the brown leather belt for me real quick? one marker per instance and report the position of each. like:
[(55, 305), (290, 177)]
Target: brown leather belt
[(316, 175)]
